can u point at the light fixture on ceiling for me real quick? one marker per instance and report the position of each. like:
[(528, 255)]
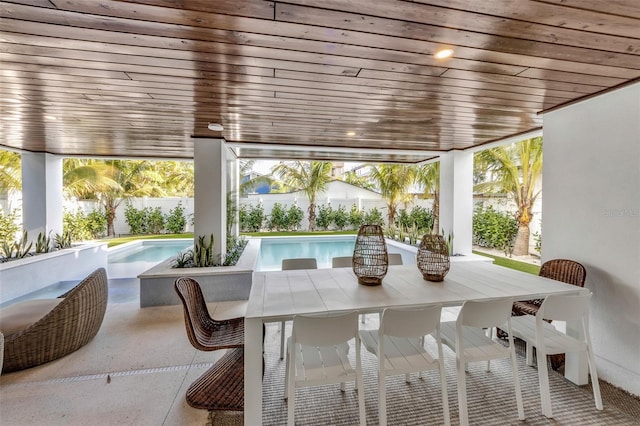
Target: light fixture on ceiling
[(443, 53), (351, 133), (215, 127)]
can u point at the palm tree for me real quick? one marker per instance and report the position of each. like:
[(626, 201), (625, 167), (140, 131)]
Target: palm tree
[(515, 169), (111, 182), (354, 179), (310, 177), (82, 178), (177, 177), (429, 176), (394, 181), (10, 172)]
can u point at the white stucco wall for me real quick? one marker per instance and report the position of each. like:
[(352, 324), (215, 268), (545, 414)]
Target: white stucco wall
[(593, 147)]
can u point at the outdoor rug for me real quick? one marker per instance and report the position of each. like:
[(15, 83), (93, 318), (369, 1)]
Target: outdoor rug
[(491, 397)]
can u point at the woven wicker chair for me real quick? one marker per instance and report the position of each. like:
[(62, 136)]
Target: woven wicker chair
[(565, 270), (222, 386), (65, 329)]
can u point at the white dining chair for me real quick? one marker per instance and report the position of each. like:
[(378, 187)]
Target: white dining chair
[(317, 354), (547, 340), (399, 346), (342, 262), (468, 337), (290, 265), (347, 261)]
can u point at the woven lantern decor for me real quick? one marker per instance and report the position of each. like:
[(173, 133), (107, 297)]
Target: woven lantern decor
[(370, 258), (433, 257)]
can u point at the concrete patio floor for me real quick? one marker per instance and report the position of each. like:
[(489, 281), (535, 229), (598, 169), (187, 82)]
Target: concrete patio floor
[(135, 371)]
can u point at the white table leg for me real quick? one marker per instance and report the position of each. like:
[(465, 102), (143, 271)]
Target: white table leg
[(576, 368), (253, 372)]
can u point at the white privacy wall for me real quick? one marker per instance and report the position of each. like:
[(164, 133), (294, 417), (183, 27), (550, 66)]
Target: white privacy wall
[(592, 214)]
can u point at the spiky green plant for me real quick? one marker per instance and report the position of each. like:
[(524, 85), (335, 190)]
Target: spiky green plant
[(19, 249), (203, 253), (184, 259), (449, 242), (63, 241), (43, 243)]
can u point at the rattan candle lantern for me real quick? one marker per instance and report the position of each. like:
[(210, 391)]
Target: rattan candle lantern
[(370, 258), (433, 257)]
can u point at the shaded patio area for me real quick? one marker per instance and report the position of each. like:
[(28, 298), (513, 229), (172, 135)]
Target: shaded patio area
[(137, 370)]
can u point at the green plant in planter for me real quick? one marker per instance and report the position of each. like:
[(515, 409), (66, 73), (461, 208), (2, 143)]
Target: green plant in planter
[(63, 241), (414, 234), (19, 249), (391, 232), (184, 259), (401, 234), (43, 243), (203, 253), (449, 241)]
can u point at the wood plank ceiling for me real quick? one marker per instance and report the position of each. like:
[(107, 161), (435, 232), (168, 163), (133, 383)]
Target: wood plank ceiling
[(342, 80)]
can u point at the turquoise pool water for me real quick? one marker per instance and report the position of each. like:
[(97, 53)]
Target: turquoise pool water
[(273, 250), (323, 249), (132, 259), (149, 251)]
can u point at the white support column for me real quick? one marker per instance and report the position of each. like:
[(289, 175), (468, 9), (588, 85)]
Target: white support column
[(41, 193), (233, 185), (210, 192), (456, 199)]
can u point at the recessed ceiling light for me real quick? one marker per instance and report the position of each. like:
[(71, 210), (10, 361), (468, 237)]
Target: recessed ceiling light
[(444, 53), (50, 117), (216, 127), (351, 133)]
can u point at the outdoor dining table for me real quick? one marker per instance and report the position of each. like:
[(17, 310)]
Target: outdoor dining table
[(279, 295)]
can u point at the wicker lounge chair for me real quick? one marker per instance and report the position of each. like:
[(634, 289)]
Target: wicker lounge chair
[(71, 324), (222, 386)]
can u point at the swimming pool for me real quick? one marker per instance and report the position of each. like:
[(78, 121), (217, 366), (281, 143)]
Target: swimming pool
[(323, 249), (131, 259), (149, 251)]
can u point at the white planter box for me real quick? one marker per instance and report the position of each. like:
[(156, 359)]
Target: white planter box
[(23, 276), (218, 284)]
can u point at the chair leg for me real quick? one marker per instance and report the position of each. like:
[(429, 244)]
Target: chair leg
[(362, 319), (462, 392), (282, 327), (516, 381), (445, 397), (382, 399), (361, 406), (286, 376), (529, 351), (543, 377), (594, 379), (291, 390)]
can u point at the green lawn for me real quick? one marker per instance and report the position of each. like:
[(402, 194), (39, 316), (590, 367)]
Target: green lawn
[(121, 240), (513, 264)]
